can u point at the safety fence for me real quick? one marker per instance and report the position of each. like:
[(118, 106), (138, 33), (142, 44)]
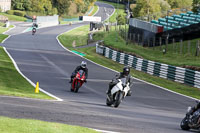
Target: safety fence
[(178, 74), (45, 21)]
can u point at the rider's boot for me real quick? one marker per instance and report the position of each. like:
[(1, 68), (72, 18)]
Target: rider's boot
[(109, 91), (70, 81), (129, 93)]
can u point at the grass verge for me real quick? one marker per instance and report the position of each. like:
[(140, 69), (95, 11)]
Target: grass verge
[(170, 57), (78, 37), (13, 17), (10, 125), (171, 85)]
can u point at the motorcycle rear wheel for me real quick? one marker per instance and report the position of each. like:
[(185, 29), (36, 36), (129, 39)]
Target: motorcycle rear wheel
[(184, 124), (118, 100)]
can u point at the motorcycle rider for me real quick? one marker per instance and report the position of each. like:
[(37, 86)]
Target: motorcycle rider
[(78, 68), (124, 74), (195, 108), (34, 26)]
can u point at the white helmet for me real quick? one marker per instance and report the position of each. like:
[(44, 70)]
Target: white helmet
[(83, 64)]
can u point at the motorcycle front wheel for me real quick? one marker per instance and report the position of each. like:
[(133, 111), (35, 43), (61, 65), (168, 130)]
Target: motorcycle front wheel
[(108, 102), (184, 124), (77, 86), (118, 98)]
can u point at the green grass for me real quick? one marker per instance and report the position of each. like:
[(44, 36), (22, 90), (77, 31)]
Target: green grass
[(79, 36), (91, 54), (13, 17), (10, 125), (171, 58)]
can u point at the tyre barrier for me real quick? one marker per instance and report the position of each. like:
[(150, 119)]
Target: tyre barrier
[(177, 74)]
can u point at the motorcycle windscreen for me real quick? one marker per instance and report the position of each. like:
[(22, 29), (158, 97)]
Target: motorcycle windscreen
[(117, 87), (123, 81), (81, 72)]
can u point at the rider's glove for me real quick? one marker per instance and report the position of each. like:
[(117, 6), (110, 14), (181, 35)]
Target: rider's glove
[(85, 81)]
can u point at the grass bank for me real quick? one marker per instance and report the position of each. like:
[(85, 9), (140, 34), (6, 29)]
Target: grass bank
[(91, 54), (76, 37), (11, 82), (9, 125), (13, 17), (171, 58)]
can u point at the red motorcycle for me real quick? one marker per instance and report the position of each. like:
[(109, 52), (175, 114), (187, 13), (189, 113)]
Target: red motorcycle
[(78, 81)]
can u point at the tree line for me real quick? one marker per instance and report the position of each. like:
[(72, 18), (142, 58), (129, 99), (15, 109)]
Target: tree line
[(146, 7), (50, 7)]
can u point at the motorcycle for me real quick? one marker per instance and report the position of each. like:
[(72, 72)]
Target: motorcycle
[(78, 81), (118, 93), (33, 31), (191, 120)]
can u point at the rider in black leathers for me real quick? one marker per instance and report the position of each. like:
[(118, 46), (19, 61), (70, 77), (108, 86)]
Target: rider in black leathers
[(195, 108), (81, 67), (124, 74)]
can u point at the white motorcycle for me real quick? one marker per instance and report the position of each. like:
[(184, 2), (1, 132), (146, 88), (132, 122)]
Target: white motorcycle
[(118, 93)]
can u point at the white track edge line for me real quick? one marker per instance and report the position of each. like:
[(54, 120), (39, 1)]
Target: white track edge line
[(104, 131), (34, 85)]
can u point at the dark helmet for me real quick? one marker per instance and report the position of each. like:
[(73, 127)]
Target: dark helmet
[(126, 71), (83, 64)]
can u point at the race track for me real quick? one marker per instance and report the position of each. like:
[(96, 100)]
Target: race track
[(41, 58)]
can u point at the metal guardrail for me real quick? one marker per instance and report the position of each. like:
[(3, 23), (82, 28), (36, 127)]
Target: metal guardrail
[(178, 74)]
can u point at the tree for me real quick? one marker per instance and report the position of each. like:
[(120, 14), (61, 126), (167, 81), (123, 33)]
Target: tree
[(21, 5), (63, 6), (146, 7), (196, 6), (180, 3)]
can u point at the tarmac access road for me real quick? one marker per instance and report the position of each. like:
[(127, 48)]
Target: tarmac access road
[(41, 58)]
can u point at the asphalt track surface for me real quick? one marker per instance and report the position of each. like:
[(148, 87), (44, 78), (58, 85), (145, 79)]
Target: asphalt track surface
[(40, 58)]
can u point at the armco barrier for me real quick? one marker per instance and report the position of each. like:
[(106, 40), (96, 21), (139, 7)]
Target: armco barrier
[(178, 74)]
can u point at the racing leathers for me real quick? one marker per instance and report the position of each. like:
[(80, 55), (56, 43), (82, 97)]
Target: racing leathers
[(78, 68)]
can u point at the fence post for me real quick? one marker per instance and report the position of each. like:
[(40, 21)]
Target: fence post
[(143, 40), (181, 46), (134, 37), (173, 43), (148, 42), (154, 40), (189, 43), (138, 39), (160, 43), (166, 45), (197, 49)]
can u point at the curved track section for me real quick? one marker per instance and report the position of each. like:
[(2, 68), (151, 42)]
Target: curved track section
[(41, 58)]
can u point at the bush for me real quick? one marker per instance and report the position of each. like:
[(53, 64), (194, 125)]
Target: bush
[(11, 12), (19, 13)]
